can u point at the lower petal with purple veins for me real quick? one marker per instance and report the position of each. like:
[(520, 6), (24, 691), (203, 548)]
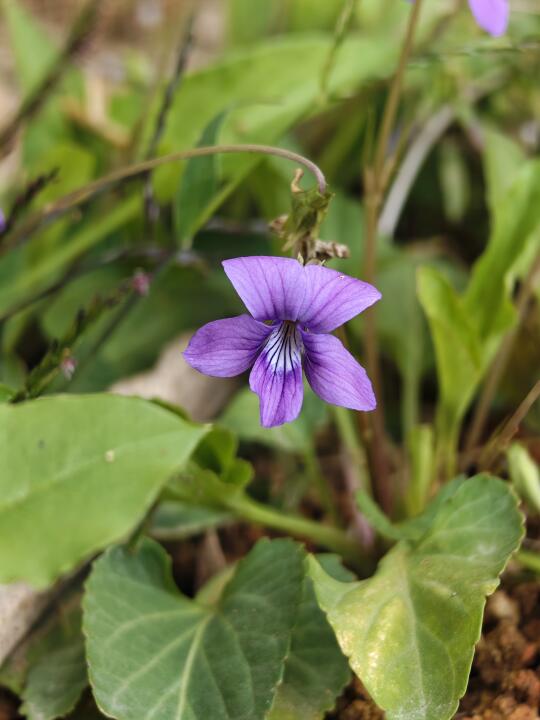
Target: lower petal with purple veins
[(277, 376), (225, 348), (335, 375)]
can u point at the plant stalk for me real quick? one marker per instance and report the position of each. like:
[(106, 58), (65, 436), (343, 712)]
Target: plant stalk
[(329, 537), (376, 181), (88, 192)]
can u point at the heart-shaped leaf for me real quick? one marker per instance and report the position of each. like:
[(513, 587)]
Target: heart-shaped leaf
[(155, 654), (409, 632), (78, 472)]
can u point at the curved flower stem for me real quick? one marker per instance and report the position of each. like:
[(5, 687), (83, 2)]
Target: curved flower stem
[(86, 193), (329, 537), (376, 182)]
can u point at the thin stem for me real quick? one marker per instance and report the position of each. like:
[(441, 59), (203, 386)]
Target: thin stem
[(375, 438), (342, 26), (356, 476), (529, 560), (329, 537), (392, 104), (183, 53), (501, 361), (376, 180), (352, 445), (500, 442), (86, 193), (324, 489)]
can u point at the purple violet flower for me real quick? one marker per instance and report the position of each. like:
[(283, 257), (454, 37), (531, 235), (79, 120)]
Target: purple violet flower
[(293, 309), (491, 15)]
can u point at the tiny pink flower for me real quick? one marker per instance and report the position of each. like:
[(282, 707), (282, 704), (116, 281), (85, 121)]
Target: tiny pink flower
[(140, 283), (68, 366)]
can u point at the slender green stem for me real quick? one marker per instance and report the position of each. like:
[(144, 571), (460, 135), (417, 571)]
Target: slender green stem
[(342, 26), (530, 560), (88, 192), (376, 182), (392, 104), (349, 436), (324, 489), (329, 537)]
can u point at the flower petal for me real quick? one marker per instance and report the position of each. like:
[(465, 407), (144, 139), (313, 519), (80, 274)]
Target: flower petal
[(333, 298), (491, 15), (277, 376), (225, 348), (335, 375), (272, 288)]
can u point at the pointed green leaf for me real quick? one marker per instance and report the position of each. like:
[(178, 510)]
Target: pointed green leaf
[(78, 473), (155, 654), (503, 159), (32, 48), (409, 632), (457, 347), (57, 679), (199, 183), (516, 233)]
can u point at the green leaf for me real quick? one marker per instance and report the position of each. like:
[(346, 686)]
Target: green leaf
[(409, 632), (421, 451), (34, 54), (174, 519), (315, 670), (457, 348), (516, 233), (199, 182), (376, 517), (154, 653), (412, 528), (20, 279), (32, 49), (214, 474), (79, 472), (270, 88), (6, 393), (141, 336), (454, 179), (57, 679), (525, 475), (61, 630), (287, 69), (503, 158)]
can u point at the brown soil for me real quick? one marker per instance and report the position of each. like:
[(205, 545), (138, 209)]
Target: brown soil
[(505, 679)]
